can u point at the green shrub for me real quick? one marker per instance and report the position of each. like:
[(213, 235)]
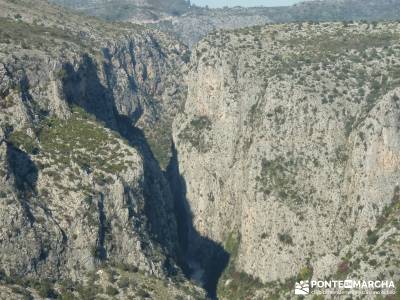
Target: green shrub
[(62, 74), (111, 291), (45, 289), (143, 294), (285, 238), (24, 142), (67, 296), (372, 237), (88, 292), (123, 282), (305, 273), (127, 267), (373, 262)]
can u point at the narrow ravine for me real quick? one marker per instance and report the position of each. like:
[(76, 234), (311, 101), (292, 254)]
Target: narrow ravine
[(204, 260)]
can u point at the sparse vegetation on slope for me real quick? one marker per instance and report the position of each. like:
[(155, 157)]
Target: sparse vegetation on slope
[(298, 115)]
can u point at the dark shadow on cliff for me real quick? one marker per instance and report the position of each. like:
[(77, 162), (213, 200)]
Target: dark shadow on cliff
[(25, 175), (83, 88), (152, 179), (194, 253), (201, 253)]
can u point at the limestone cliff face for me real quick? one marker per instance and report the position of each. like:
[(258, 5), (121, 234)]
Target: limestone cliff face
[(289, 149), (80, 191)]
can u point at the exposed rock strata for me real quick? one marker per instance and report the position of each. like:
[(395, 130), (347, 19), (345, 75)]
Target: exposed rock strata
[(289, 149)]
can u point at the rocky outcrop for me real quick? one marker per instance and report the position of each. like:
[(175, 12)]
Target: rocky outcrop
[(288, 147), (81, 192)]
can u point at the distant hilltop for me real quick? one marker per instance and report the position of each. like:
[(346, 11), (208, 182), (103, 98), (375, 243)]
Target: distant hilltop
[(190, 23)]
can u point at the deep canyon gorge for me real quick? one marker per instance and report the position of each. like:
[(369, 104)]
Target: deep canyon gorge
[(165, 160)]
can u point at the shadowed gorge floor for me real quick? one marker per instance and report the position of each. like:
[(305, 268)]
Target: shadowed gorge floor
[(204, 260)]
